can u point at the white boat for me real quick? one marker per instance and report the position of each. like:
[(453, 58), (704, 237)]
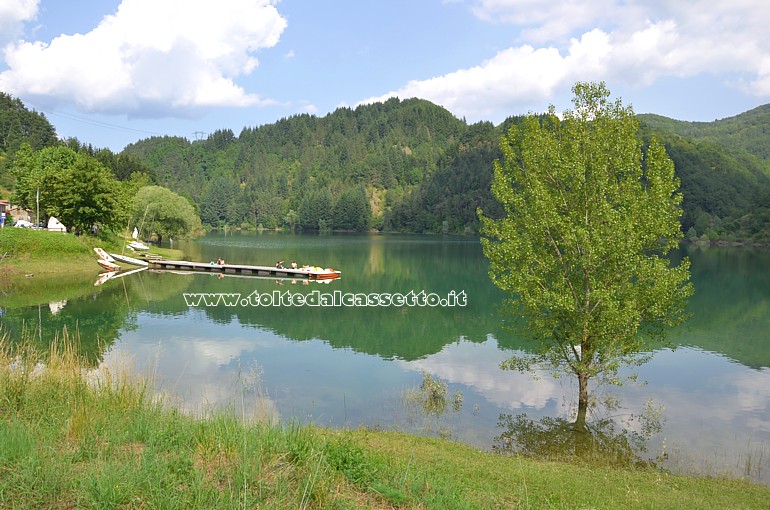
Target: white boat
[(138, 245), (103, 255), (129, 260)]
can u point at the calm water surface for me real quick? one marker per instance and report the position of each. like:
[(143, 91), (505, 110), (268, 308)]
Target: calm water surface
[(351, 366)]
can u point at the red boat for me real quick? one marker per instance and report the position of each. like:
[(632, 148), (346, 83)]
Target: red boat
[(324, 274), (109, 266)]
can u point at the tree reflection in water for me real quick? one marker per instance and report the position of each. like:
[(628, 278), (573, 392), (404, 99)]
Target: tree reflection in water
[(599, 442)]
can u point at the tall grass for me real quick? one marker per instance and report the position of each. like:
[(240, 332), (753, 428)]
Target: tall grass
[(97, 438)]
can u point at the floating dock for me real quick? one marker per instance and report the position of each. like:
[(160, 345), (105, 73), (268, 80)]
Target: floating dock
[(237, 269)]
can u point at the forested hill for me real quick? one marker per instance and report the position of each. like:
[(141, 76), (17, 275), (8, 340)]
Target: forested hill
[(724, 167), (412, 166), (749, 131), (399, 165), (405, 165), (19, 125)]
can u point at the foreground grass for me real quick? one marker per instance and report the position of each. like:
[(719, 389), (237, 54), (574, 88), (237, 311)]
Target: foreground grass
[(77, 439)]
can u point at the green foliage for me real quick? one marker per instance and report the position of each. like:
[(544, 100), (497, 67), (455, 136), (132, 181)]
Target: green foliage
[(168, 214), (724, 167), (315, 210), (74, 187), (432, 169), (447, 200), (87, 194), (275, 168), (587, 224), (219, 203), (352, 210), (19, 125)]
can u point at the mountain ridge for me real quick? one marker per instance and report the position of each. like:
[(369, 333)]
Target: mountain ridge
[(411, 165)]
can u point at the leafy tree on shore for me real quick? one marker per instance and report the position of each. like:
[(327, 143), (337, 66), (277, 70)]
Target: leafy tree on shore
[(87, 194), (166, 213), (581, 248), (74, 187)]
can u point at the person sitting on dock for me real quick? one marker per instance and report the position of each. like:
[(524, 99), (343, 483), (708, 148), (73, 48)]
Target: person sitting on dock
[(279, 265), (294, 265), (220, 261)]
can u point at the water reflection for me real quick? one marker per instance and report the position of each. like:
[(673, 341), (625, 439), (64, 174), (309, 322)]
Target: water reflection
[(346, 366), (602, 442)]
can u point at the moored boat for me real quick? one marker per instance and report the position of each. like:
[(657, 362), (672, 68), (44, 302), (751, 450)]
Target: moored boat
[(103, 255), (109, 266), (138, 245), (129, 260), (324, 274)]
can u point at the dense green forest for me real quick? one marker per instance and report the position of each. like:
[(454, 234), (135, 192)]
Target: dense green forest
[(724, 167), (19, 126), (404, 165), (87, 189), (398, 165)]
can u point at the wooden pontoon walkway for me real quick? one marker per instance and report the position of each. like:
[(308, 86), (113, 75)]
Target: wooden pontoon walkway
[(201, 267)]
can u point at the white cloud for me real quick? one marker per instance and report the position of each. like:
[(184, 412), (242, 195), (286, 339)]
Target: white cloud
[(150, 58), (308, 107), (629, 42), (478, 366), (514, 80), (13, 14), (542, 21)]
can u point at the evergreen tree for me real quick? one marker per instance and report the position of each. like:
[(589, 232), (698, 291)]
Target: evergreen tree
[(352, 210)]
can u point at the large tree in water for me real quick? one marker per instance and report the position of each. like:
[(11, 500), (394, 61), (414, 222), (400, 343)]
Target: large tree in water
[(589, 219)]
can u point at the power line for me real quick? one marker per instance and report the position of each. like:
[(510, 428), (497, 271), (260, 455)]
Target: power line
[(91, 122)]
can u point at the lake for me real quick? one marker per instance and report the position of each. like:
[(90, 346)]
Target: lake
[(350, 366)]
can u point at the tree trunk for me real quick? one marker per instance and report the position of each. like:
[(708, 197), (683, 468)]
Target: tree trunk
[(581, 434), (580, 422)]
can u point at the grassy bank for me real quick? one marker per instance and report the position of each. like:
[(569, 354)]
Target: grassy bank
[(39, 252), (97, 439)]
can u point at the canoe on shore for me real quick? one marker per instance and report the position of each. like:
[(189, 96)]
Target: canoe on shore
[(129, 260), (109, 266), (103, 255), (138, 245)]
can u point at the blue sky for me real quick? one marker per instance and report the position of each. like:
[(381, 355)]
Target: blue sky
[(111, 72)]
